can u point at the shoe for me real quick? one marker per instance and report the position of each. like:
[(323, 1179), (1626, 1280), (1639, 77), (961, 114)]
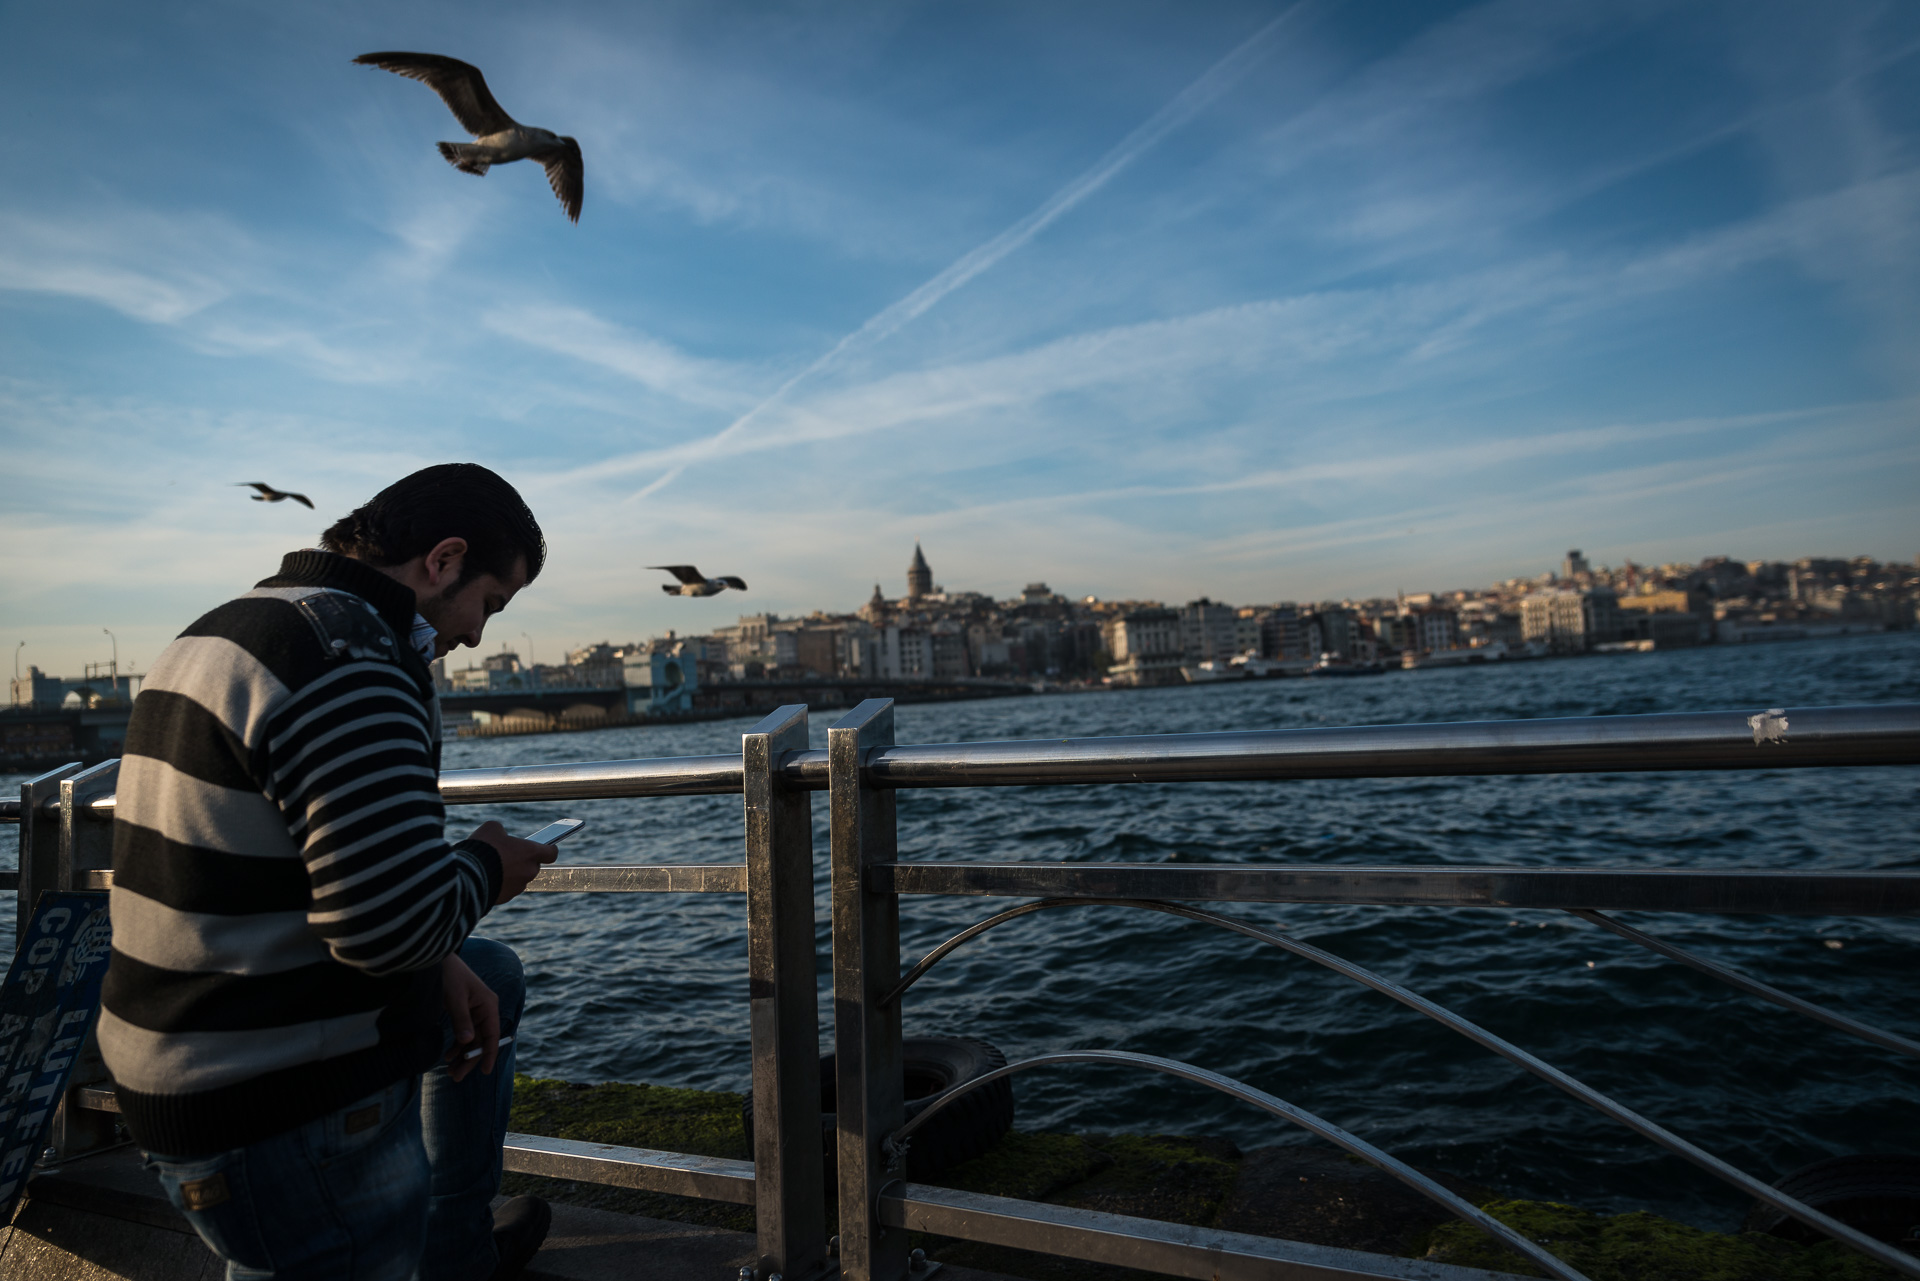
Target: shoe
[(519, 1226)]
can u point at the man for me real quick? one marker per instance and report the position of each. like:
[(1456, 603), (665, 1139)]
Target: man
[(291, 947)]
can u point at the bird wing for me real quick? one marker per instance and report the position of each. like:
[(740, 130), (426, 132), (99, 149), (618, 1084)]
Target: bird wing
[(738, 584), (685, 573), (459, 84), (566, 174), (260, 485), (302, 499)]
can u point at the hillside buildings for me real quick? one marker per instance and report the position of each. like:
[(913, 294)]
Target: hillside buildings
[(932, 633)]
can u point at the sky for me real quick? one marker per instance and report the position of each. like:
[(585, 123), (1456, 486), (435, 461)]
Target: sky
[(1247, 300)]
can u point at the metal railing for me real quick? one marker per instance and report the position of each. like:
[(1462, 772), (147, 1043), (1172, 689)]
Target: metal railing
[(862, 768)]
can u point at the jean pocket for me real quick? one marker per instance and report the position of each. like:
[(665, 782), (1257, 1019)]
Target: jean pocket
[(214, 1194), (366, 1122)]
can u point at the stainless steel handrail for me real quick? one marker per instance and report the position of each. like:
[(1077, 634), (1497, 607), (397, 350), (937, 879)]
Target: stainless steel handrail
[(1759, 739), (1467, 1028), (896, 1142), (1791, 738)]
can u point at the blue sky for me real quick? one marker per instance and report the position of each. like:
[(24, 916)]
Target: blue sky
[(1247, 300)]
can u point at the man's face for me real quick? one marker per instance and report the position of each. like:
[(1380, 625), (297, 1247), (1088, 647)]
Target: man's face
[(459, 615)]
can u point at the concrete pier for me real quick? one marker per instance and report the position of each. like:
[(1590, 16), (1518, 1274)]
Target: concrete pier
[(104, 1217)]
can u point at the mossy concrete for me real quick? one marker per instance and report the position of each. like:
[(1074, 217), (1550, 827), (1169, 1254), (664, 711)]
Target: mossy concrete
[(701, 1122), (1646, 1247), (1303, 1194)]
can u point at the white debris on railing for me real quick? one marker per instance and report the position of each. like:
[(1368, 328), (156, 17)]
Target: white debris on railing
[(1769, 726)]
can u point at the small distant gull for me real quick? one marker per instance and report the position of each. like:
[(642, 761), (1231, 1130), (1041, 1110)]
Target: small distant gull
[(499, 138), (268, 494), (695, 583)]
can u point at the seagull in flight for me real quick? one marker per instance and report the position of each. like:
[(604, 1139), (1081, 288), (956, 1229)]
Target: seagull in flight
[(499, 138), (695, 583), (268, 494)]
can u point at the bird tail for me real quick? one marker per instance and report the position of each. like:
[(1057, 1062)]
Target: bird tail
[(467, 157)]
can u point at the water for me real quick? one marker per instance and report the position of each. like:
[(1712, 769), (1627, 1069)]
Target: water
[(652, 987)]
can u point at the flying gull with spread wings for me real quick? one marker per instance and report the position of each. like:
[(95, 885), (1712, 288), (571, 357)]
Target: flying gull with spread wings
[(695, 583), (498, 138), (268, 494)]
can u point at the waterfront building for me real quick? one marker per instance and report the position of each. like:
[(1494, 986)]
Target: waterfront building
[(1334, 629), (1433, 629), (1246, 632), (1571, 621), (1146, 647), (1672, 601), (595, 665), (1208, 631), (1280, 635)]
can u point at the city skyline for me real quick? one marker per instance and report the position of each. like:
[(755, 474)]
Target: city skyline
[(727, 611), (1248, 301)]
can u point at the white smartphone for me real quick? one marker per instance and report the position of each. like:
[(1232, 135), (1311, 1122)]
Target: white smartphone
[(554, 832)]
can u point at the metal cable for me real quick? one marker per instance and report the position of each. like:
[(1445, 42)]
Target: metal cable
[(895, 1144), (1899, 1261), (1766, 992)]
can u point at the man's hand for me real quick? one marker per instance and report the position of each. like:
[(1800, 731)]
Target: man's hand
[(520, 861), (475, 1013)]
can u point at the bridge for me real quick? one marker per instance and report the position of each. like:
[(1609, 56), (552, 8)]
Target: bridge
[(600, 704)]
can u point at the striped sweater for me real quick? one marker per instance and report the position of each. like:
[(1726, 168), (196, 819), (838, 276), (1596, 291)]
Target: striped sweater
[(283, 889)]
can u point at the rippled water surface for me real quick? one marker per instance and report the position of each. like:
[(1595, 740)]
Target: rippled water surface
[(652, 987)]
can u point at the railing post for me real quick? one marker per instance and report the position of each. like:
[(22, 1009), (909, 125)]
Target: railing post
[(39, 841), (869, 1090), (788, 1179), (85, 845)]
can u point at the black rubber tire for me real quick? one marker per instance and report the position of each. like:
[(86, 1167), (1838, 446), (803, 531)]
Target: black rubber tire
[(961, 1131), (1877, 1193)]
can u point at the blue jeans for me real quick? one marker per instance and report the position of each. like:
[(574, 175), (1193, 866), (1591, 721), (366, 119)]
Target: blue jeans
[(396, 1186)]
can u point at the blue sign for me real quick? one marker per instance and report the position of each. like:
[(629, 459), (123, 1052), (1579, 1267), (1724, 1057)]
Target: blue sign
[(47, 1008)]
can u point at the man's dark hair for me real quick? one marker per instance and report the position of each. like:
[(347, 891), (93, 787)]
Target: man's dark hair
[(415, 514)]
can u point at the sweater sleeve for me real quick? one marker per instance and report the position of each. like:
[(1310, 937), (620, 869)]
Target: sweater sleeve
[(350, 761)]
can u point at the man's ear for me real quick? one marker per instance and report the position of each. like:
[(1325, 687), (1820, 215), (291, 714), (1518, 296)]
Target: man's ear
[(445, 561)]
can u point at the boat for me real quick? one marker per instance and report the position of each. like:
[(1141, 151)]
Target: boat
[(1493, 653), (1212, 670), (1331, 664)]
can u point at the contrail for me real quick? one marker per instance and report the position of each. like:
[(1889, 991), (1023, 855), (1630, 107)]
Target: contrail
[(1195, 98)]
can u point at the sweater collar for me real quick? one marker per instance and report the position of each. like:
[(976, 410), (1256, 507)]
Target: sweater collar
[(315, 568)]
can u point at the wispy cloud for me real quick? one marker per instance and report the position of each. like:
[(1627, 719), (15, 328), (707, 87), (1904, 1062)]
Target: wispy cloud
[(580, 335), (152, 269), (1189, 102)]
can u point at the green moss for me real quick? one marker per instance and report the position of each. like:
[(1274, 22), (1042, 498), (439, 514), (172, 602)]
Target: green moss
[(702, 1122), (1159, 1176), (1172, 1178), (1644, 1247), (1028, 1166)]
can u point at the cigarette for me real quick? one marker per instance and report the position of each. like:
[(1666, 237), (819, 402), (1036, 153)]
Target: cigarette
[(476, 1051)]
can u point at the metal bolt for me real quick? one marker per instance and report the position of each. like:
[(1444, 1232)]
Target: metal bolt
[(917, 1261), (833, 1247), (746, 1272), (339, 644), (49, 1154), (386, 640)]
